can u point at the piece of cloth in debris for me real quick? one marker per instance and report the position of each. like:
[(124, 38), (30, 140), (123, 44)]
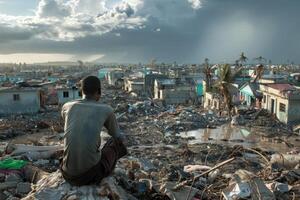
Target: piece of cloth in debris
[(10, 163), (84, 120), (110, 153), (12, 171)]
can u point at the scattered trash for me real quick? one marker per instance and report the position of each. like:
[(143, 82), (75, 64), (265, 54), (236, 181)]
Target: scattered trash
[(247, 185), (161, 165), (278, 187), (287, 161)]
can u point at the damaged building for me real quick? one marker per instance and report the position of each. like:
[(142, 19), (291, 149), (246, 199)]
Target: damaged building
[(65, 94), (150, 81), (20, 100), (282, 100), (116, 78), (174, 91), (135, 85)]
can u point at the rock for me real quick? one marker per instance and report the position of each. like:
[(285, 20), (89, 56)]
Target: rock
[(48, 193), (54, 187), (8, 185), (41, 162), (3, 196), (23, 188), (13, 178)]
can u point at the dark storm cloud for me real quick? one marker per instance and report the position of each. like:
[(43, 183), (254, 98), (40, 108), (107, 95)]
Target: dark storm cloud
[(8, 34), (220, 30)]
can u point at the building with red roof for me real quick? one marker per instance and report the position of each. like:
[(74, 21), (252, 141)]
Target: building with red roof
[(282, 100)]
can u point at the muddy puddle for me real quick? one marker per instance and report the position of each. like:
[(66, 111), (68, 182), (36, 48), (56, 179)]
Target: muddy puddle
[(233, 135)]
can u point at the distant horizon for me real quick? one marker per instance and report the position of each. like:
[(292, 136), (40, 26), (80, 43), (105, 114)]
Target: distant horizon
[(136, 63)]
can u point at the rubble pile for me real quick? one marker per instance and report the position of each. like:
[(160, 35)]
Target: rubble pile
[(160, 165), (203, 171), (186, 119), (262, 121), (13, 126)]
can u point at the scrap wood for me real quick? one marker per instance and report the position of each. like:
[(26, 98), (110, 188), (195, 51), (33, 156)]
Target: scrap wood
[(17, 149), (265, 159), (208, 171), (178, 186)]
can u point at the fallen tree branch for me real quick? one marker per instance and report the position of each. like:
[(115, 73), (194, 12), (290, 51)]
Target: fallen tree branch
[(183, 183), (265, 159), (204, 173)]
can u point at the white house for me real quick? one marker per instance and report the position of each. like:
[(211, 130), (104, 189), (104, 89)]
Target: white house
[(115, 78), (67, 94), (134, 85), (282, 100), (19, 100)]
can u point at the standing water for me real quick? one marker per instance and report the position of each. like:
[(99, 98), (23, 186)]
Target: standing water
[(235, 135)]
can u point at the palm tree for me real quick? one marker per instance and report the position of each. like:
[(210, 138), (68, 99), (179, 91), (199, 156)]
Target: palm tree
[(207, 73), (260, 59), (225, 84), (259, 72), (243, 59)]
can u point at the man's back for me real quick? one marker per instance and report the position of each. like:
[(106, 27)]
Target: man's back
[(84, 120)]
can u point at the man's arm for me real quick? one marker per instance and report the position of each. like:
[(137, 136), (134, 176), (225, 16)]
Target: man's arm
[(63, 112), (111, 124), (120, 141)]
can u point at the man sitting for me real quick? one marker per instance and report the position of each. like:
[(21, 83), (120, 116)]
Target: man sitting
[(83, 163)]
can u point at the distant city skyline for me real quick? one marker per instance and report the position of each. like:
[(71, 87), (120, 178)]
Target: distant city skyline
[(132, 31)]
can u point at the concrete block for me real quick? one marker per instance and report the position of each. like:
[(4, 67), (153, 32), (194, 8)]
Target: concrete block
[(23, 188)]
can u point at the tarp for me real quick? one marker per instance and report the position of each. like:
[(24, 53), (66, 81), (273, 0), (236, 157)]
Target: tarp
[(12, 164)]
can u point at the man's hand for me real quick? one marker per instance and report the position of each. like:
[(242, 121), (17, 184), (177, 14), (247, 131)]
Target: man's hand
[(123, 139), (122, 145)]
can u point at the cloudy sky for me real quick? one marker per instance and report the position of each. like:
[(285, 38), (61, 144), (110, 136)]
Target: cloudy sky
[(141, 30)]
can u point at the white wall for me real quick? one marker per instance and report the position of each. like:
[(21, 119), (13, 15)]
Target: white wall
[(73, 94), (282, 116), (29, 102)]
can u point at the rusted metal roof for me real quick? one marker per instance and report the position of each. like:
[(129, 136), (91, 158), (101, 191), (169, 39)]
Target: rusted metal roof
[(281, 86)]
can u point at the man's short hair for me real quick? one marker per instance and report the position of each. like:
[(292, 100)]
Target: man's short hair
[(90, 85)]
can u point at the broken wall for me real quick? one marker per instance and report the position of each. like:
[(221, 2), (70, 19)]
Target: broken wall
[(29, 102)]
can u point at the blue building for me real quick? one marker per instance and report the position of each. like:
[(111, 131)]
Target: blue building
[(249, 94)]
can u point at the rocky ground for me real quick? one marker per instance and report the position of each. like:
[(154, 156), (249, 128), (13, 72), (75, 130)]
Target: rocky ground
[(160, 164)]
